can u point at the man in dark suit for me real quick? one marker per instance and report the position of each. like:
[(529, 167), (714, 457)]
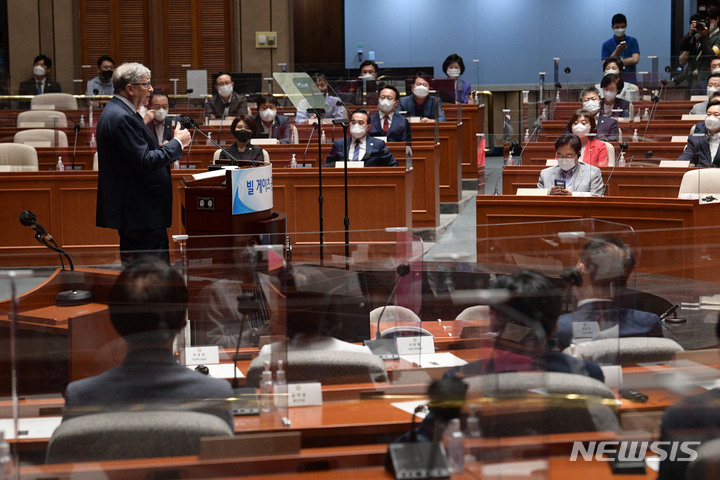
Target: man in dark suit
[(420, 103), (372, 151), (134, 185), (270, 123), (156, 118), (603, 269), (147, 305), (607, 127), (40, 82), (387, 122), (702, 146), (226, 102)]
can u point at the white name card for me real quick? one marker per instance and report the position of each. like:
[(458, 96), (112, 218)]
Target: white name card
[(415, 345), (585, 329), (350, 164), (202, 355), (304, 394)]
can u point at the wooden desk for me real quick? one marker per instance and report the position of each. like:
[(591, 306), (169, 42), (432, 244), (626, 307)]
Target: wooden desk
[(658, 129), (673, 237), (625, 182)]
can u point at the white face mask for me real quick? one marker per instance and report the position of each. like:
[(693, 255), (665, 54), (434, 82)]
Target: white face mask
[(386, 106), (225, 90), (592, 106), (610, 95), (268, 115), (619, 32), (160, 114), (367, 76), (566, 164), (715, 70), (710, 91), (421, 91), (357, 131), (712, 123), (612, 70), (453, 72), (580, 130), (39, 71)]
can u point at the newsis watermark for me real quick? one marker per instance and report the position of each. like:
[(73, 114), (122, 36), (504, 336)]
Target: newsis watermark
[(625, 451)]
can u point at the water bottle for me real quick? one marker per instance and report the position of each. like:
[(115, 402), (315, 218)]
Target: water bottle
[(454, 446), (621, 161), (646, 115), (6, 461), (635, 136), (93, 142), (280, 388), (208, 141), (527, 135), (473, 427), (59, 165), (293, 162), (90, 116), (176, 165), (323, 139), (82, 120), (543, 115), (266, 390), (510, 158)]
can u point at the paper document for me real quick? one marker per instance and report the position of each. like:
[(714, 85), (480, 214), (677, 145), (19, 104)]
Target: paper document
[(434, 360)]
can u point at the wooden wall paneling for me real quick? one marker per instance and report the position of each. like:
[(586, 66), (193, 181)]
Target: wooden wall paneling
[(180, 26), (96, 37), (309, 49), (134, 31)]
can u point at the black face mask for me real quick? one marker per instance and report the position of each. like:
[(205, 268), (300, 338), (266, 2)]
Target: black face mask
[(243, 135), (106, 75)]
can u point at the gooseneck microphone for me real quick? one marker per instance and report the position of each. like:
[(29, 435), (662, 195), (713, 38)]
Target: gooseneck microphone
[(623, 147), (189, 123), (73, 296), (402, 270), (308, 143), (77, 129)]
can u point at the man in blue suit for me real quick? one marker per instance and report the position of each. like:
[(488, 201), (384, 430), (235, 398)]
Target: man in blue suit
[(702, 146), (420, 103), (134, 185), (372, 151), (387, 122), (603, 268)]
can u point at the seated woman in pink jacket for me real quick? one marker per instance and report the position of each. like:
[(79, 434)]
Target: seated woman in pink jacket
[(594, 151)]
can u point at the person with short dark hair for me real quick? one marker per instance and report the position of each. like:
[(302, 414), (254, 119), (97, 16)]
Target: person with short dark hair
[(611, 85), (361, 147), (40, 82), (102, 84), (622, 46), (147, 305), (420, 103), (702, 150), (689, 50), (570, 175), (713, 88), (453, 66), (708, 46), (336, 111), (594, 151), (270, 123), (630, 92), (244, 129), (603, 268), (226, 102), (369, 70), (387, 122), (156, 118), (607, 127)]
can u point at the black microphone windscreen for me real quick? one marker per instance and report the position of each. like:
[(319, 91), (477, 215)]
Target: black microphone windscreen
[(648, 154), (27, 218), (624, 146), (403, 269), (96, 91), (189, 90), (187, 122)]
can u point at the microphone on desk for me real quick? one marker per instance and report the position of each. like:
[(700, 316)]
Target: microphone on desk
[(73, 296), (623, 147), (188, 92), (189, 123), (386, 348), (513, 149), (77, 129), (536, 126), (402, 270), (308, 144)]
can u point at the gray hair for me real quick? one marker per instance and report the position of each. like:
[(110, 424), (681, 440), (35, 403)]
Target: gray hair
[(588, 90), (128, 73)]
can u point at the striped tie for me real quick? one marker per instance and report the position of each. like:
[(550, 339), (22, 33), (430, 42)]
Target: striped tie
[(386, 124), (356, 153)]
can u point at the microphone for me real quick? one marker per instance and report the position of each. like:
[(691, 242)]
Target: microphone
[(536, 126), (63, 298), (655, 98), (187, 107), (189, 123), (402, 270), (513, 148), (77, 129), (623, 147), (308, 143), (96, 91)]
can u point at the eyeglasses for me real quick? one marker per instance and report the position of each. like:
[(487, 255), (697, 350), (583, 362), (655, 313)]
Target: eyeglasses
[(566, 157), (145, 84)]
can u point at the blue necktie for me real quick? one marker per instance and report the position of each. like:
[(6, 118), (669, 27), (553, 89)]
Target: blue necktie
[(356, 154), (39, 86)]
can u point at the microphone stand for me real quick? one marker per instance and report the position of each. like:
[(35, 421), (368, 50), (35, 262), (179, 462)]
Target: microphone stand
[(77, 129), (190, 123), (344, 124), (319, 114), (623, 147)]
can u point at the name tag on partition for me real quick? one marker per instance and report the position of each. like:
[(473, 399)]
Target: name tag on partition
[(304, 394), (585, 329), (202, 355), (415, 345)]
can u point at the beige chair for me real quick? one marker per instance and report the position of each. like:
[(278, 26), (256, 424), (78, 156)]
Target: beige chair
[(216, 155), (42, 135), (295, 134), (41, 116), (16, 157), (701, 180), (394, 313), (57, 101), (141, 434), (626, 350), (327, 367), (95, 161), (611, 153)]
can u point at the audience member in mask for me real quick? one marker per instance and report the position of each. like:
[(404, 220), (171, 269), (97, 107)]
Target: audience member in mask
[(623, 47), (157, 119), (570, 175), (713, 87), (103, 82), (702, 149), (336, 110), (583, 125), (607, 127), (387, 122), (420, 103), (243, 128), (226, 102), (630, 91), (453, 66), (361, 147), (270, 123), (612, 106)]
